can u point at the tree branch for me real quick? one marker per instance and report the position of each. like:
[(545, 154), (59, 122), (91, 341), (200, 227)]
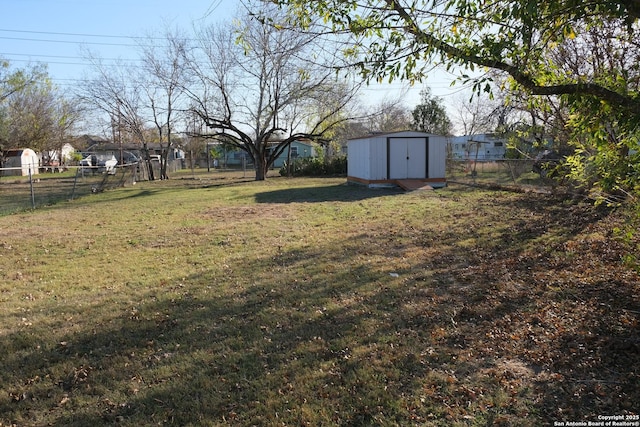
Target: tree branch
[(521, 77)]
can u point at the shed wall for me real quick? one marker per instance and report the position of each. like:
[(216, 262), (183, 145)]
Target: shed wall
[(358, 158), (437, 156), (378, 161), (371, 160), (22, 162)]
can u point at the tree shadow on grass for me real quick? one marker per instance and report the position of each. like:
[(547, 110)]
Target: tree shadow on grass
[(329, 193), (189, 358), (320, 336)]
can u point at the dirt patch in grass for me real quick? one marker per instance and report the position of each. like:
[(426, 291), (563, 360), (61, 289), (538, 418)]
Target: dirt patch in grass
[(248, 213), (307, 302)]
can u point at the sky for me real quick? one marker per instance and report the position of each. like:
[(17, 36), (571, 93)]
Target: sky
[(59, 32)]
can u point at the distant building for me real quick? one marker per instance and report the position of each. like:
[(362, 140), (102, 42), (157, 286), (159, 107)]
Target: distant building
[(84, 141), (53, 160), (299, 149), (481, 147), (23, 161), (132, 152)]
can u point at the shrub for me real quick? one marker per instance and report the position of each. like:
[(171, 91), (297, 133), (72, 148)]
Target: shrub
[(316, 166)]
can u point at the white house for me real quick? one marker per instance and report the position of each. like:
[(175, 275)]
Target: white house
[(482, 147), (23, 162), (57, 159), (397, 158)]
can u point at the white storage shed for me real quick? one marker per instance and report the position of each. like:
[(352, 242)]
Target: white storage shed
[(397, 159), (21, 162)]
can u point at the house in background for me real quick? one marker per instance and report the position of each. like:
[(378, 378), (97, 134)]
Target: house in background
[(21, 162), (299, 150), (481, 147), (399, 158), (132, 152), (82, 142), (57, 159), (66, 153)]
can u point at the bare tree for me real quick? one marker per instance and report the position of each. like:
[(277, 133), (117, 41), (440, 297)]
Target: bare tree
[(115, 93), (67, 112), (477, 114), (30, 114), (261, 86), (164, 82), (389, 115)]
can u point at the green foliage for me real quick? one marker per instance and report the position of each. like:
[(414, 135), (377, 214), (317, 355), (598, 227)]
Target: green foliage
[(217, 152), (574, 55), (627, 234), (607, 149), (75, 157), (316, 166), (397, 42), (431, 115)]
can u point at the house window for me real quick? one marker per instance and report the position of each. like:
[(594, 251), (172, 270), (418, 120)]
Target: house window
[(464, 146), (497, 144), (294, 151)]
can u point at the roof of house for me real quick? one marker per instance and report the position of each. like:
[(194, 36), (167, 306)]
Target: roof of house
[(129, 146)]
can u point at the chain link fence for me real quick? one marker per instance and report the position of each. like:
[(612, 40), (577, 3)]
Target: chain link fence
[(513, 173), (33, 190), (20, 193)]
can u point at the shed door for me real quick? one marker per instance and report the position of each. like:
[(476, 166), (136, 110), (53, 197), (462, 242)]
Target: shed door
[(407, 158)]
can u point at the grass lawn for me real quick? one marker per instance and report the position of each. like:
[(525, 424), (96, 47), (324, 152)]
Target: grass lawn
[(217, 300)]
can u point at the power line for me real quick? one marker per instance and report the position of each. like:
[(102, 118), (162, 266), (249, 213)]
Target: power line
[(68, 41), (108, 36), (64, 56), (73, 34), (52, 62)]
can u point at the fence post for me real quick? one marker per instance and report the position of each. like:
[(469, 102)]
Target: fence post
[(75, 181), (33, 197)]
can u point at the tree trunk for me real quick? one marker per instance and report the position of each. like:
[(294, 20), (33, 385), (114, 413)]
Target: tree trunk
[(289, 160), (147, 159), (261, 168), (164, 159)]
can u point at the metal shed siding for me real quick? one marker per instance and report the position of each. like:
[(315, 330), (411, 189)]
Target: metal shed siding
[(378, 161), (358, 158), (369, 159), (437, 156)]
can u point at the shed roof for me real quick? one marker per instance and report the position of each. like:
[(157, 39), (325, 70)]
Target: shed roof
[(18, 152), (404, 133)]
